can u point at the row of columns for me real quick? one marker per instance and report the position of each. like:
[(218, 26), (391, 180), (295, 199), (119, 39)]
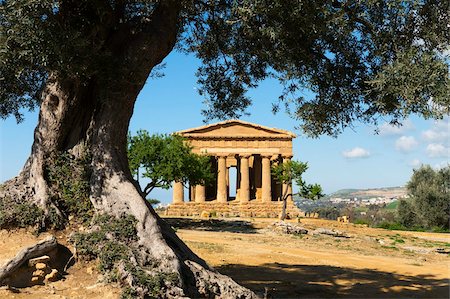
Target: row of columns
[(244, 191)]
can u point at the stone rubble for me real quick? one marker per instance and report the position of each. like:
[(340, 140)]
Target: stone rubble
[(41, 270), (330, 232), (287, 228)]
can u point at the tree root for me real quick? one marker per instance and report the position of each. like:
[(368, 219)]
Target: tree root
[(215, 285)]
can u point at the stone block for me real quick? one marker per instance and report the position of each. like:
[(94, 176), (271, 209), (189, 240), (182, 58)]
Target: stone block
[(52, 276), (39, 273), (40, 266), (205, 214), (42, 259)]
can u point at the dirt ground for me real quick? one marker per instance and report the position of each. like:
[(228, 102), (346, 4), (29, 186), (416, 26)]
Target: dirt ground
[(371, 263), (82, 280)]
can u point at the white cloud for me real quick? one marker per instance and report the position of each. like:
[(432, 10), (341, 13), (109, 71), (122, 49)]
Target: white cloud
[(437, 150), (415, 163), (356, 152), (406, 143), (387, 129), (439, 132)]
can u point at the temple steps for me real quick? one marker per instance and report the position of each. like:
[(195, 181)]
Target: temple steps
[(233, 209)]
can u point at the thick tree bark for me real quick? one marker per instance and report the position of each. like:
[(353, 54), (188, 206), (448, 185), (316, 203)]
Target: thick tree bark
[(78, 115), (73, 119)]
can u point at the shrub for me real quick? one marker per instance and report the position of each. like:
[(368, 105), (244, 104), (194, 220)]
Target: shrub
[(361, 221), (68, 177), (13, 214), (406, 214), (111, 241)]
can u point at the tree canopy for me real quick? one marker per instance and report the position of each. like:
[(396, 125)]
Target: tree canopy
[(292, 172), (360, 60), (165, 159), (429, 205)]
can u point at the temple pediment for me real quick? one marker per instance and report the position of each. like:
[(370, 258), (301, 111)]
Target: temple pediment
[(236, 129)]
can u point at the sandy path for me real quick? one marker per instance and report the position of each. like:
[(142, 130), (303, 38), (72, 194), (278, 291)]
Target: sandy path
[(321, 268)]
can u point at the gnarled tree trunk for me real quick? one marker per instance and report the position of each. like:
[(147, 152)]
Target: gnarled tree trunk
[(93, 114)]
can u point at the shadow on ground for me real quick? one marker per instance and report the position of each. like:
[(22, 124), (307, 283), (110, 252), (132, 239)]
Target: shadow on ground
[(219, 225), (306, 281)]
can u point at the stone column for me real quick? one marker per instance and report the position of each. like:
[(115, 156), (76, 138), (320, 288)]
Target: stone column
[(277, 191), (191, 192), (244, 195), (200, 193), (178, 192), (266, 187), (287, 188), (222, 179)]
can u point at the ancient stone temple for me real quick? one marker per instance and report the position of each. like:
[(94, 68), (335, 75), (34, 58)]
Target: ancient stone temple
[(251, 150)]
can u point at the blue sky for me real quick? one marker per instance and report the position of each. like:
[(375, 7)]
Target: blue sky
[(356, 159)]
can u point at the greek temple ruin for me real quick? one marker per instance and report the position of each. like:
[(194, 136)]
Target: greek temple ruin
[(250, 149)]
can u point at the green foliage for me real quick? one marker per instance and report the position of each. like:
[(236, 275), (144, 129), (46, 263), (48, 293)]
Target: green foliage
[(122, 229), (430, 193), (361, 221), (23, 215), (90, 245), (359, 59), (328, 212), (406, 214), (397, 226), (110, 253), (111, 241), (427, 209), (392, 205), (165, 159), (292, 171), (68, 177), (153, 201), (154, 284)]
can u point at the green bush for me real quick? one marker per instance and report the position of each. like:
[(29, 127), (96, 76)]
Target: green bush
[(361, 221), (68, 177), (21, 215), (406, 214), (112, 241), (391, 226)]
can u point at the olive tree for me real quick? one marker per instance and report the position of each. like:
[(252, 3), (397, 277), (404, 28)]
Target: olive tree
[(165, 159), (429, 205), (292, 172)]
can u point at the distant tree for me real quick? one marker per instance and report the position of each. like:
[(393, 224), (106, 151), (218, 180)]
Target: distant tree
[(165, 159), (328, 212), (292, 172), (406, 214), (430, 194)]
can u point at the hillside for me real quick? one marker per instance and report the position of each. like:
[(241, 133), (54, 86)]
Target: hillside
[(389, 192)]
